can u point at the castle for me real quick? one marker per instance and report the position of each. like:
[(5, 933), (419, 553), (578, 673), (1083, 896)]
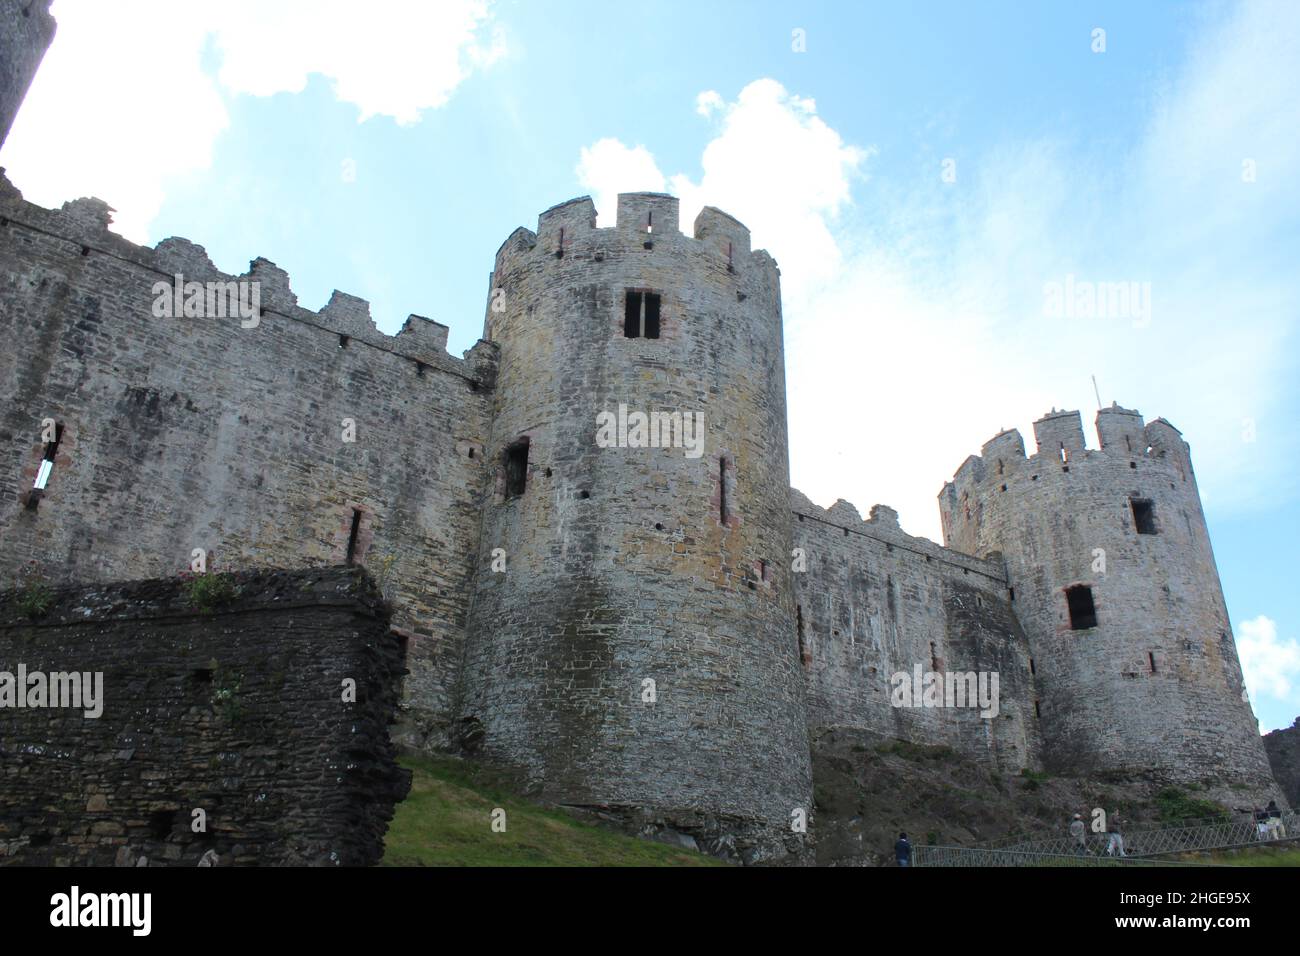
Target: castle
[(626, 624)]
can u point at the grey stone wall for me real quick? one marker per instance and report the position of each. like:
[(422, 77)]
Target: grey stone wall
[(1283, 749), (620, 568), (876, 601), (1156, 683), (26, 31), (237, 711), (187, 433)]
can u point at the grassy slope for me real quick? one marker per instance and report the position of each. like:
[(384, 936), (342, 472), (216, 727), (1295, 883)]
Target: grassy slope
[(447, 821)]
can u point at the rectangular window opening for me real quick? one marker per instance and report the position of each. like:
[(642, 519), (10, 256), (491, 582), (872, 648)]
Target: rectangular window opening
[(1151, 659), (651, 325), (1083, 613), (641, 315), (1032, 669), (1038, 711), (516, 462), (1144, 515)]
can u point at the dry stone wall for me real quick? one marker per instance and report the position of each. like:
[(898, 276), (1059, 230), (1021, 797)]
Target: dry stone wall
[(237, 712)]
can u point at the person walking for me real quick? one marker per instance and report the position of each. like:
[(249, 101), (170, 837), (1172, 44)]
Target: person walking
[(1276, 830), (1115, 844), (903, 850), (1080, 835)]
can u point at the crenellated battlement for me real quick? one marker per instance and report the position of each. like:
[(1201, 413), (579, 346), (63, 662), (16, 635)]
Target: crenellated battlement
[(82, 226), (881, 529), (1060, 444), (645, 222)]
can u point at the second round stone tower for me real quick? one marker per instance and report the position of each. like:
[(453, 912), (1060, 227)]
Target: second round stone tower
[(1113, 578), (631, 643)]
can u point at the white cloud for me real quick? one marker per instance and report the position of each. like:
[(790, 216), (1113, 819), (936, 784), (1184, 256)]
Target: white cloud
[(917, 331), (1270, 665), (607, 168), (774, 164), (123, 83), (709, 102)]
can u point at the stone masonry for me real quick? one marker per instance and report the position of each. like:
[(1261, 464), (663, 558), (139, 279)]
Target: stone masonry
[(236, 711), (654, 628), (26, 30)]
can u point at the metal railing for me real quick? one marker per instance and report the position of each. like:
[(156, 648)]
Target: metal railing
[(1101, 849), (987, 856)]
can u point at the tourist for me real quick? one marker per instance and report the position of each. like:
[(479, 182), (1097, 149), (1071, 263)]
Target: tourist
[(903, 851), (1080, 834), (1115, 843)]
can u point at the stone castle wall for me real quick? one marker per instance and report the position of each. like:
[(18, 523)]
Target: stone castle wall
[(1156, 682), (26, 31), (199, 433), (237, 712), (876, 601)]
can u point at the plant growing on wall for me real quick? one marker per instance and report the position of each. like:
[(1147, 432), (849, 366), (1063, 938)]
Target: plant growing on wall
[(207, 592), (34, 595), (226, 700)]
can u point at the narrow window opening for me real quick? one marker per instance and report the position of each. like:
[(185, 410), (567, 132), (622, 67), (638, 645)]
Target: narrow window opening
[(804, 656), (471, 453), (722, 490), (1001, 469), (353, 535), (1144, 515), (1083, 613), (763, 574), (934, 658), (516, 462), (343, 341), (1032, 669), (47, 459), (559, 252), (1038, 711), (730, 265), (1065, 456), (1012, 592), (650, 222), (1151, 659)]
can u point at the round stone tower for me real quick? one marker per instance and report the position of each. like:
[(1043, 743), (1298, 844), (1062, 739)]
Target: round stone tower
[(631, 643), (1114, 581)]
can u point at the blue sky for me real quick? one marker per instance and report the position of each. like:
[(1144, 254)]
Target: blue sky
[(387, 149)]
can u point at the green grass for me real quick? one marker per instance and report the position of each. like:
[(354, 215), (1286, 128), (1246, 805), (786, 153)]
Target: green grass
[(912, 751), (1175, 806), (1255, 856), (447, 821)]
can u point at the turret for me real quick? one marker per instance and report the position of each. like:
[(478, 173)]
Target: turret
[(631, 643), (1109, 561)]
